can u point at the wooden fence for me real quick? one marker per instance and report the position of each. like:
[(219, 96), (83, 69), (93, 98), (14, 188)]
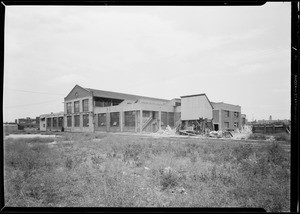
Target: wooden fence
[(270, 128)]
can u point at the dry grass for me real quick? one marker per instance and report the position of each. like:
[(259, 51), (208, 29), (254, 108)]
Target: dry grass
[(133, 171)]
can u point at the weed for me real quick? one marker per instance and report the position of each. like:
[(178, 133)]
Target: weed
[(69, 163), (193, 158), (275, 153), (168, 179), (132, 151), (242, 152), (282, 137)]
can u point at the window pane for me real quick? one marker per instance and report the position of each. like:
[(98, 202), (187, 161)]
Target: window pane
[(85, 105), (171, 119), (54, 122), (129, 118), (164, 120), (69, 121), (114, 119), (76, 107), (102, 119), (85, 120), (69, 108), (77, 120)]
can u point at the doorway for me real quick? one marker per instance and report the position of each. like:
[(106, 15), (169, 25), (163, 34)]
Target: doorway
[(216, 127)]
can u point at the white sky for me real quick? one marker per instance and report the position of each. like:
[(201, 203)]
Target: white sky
[(238, 55)]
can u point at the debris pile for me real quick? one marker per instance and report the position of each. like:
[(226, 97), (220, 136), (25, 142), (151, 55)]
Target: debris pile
[(220, 134), (195, 127), (167, 131)]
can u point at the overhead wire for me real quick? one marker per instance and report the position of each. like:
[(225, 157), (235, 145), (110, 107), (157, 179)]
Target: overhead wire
[(30, 104), (37, 92)]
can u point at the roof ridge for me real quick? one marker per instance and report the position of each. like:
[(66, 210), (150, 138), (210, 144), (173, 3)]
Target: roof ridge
[(133, 95)]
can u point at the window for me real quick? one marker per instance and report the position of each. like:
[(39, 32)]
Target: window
[(48, 122), (164, 119), (226, 125), (236, 124), (171, 119), (114, 118), (85, 120), (76, 121), (129, 118), (54, 122), (236, 114), (102, 119), (76, 106), (69, 108), (69, 121), (85, 105), (60, 121), (226, 113), (146, 113)]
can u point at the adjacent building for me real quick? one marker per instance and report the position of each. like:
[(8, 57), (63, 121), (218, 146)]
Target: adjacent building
[(52, 122), (226, 116)]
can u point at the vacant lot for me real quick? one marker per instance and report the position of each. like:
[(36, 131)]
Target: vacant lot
[(103, 169)]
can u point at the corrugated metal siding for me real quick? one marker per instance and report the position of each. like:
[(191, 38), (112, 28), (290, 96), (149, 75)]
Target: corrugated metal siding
[(193, 108)]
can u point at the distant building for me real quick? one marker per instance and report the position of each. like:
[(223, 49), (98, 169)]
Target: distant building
[(9, 127), (226, 116), (28, 123)]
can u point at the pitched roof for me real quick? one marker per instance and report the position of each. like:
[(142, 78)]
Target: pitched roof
[(116, 95)]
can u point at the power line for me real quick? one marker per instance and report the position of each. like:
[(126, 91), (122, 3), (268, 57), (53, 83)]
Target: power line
[(37, 92), (30, 104)]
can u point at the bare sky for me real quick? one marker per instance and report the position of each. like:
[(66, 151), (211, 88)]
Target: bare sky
[(237, 55)]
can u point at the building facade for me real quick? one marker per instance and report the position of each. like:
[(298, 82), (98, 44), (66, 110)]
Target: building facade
[(226, 116), (92, 110), (52, 122)]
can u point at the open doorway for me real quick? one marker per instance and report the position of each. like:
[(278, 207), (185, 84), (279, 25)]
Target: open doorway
[(216, 127)]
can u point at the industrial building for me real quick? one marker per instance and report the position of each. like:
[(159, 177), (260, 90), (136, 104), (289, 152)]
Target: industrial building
[(226, 116), (28, 123), (92, 110), (52, 122)]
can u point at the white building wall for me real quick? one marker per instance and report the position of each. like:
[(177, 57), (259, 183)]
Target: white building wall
[(195, 107)]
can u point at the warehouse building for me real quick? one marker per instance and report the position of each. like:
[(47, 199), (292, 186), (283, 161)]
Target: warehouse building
[(92, 110), (89, 110)]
